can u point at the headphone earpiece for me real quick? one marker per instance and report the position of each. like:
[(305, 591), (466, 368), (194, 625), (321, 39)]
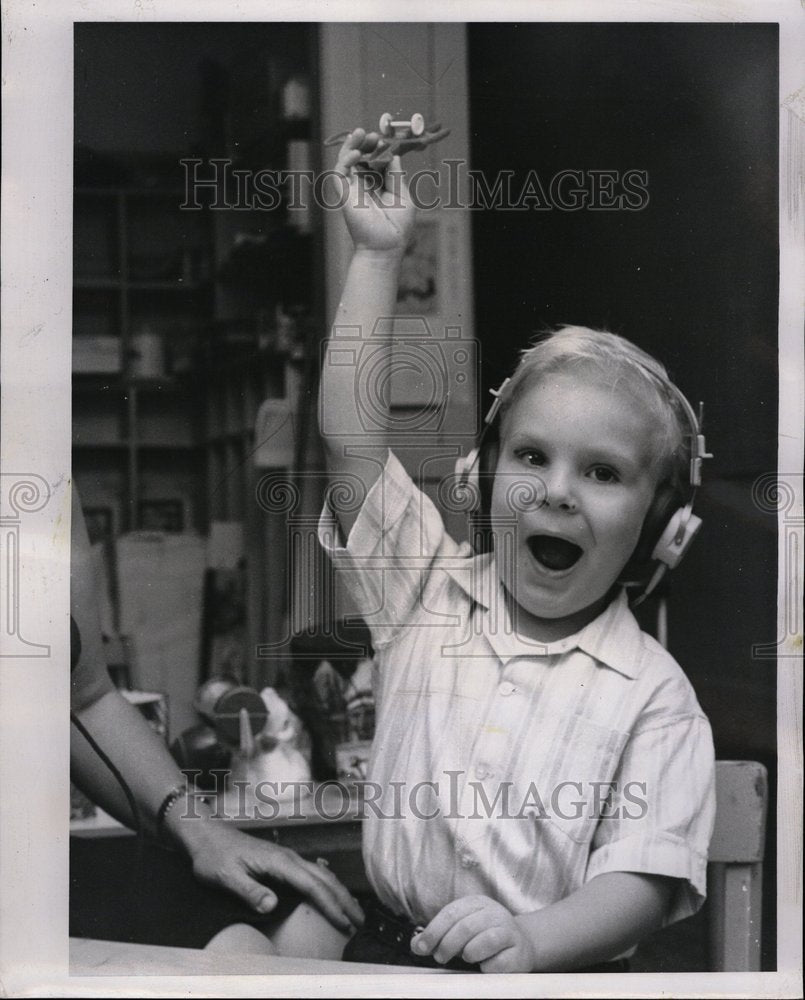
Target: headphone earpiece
[(677, 537), (666, 502), (680, 530)]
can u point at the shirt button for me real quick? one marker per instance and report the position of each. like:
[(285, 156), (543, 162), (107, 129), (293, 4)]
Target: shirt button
[(506, 688), (482, 771), (467, 860)]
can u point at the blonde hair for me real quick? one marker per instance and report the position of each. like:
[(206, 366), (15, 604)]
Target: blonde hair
[(622, 366)]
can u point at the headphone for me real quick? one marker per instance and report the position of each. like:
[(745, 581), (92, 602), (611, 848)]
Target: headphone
[(670, 524)]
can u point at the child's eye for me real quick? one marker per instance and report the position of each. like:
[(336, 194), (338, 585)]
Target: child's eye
[(532, 457), (603, 474)]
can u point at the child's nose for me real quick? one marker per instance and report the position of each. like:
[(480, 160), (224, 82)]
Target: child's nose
[(559, 492)]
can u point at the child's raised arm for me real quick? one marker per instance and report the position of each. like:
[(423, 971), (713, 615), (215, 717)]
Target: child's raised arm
[(379, 216)]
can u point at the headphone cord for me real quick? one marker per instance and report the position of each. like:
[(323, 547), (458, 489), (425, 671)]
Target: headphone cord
[(135, 809)]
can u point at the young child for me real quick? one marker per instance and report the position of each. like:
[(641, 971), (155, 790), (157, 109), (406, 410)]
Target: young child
[(545, 773)]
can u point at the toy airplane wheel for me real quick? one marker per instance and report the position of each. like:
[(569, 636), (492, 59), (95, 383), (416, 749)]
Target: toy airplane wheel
[(417, 124), (385, 124)]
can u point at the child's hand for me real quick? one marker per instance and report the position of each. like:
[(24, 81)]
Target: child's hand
[(379, 211), (477, 929)]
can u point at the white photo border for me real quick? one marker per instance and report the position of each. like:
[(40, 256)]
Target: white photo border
[(37, 165)]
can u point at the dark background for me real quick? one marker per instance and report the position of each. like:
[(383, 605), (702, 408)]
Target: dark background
[(692, 278)]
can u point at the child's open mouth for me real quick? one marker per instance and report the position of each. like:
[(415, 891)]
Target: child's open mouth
[(554, 553)]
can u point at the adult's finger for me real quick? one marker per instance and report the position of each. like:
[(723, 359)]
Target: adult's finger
[(251, 891), (333, 885), (324, 890), (235, 871)]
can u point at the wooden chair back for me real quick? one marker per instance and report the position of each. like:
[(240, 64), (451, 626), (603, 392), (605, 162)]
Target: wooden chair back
[(735, 869)]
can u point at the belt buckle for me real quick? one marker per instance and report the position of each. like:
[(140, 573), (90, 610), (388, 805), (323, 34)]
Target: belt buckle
[(392, 927)]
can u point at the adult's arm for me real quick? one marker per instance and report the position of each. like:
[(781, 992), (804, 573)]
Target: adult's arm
[(221, 854)]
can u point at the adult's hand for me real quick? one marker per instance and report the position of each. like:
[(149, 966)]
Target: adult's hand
[(225, 856)]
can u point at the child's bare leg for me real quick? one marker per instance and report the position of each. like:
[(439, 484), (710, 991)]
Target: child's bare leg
[(303, 934), (241, 939), (308, 934)]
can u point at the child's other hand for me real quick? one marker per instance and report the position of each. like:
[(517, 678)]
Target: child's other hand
[(479, 930), (378, 210)]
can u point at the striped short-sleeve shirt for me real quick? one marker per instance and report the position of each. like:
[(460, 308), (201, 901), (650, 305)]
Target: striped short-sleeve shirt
[(502, 766)]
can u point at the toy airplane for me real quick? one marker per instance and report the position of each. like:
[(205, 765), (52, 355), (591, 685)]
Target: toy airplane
[(407, 136)]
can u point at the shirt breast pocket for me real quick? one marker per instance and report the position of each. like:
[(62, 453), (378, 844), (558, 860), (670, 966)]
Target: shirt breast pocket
[(582, 766)]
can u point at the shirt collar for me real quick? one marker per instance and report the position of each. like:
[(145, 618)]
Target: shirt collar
[(613, 638)]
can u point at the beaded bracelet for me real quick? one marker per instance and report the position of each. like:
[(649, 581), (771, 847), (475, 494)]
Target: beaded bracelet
[(173, 796), (167, 804)]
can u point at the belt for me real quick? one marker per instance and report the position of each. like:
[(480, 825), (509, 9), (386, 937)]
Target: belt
[(395, 932)]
